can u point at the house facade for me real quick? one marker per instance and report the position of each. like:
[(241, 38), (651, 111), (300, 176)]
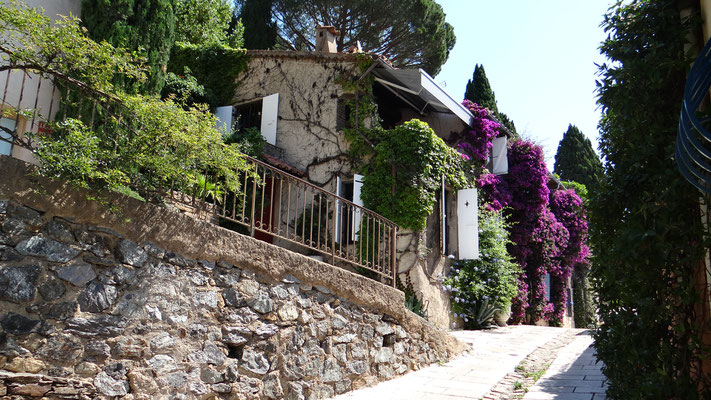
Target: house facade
[(300, 103)]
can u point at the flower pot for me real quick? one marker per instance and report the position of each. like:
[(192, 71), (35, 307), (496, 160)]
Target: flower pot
[(501, 316)]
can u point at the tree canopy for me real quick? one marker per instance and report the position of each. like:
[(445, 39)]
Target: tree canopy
[(206, 22), (410, 33), (147, 26), (646, 225), (260, 32), (576, 160)]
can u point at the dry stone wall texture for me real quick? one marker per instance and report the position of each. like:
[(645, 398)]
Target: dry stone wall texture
[(87, 311)]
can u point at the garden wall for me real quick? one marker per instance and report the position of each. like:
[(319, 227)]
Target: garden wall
[(141, 302)]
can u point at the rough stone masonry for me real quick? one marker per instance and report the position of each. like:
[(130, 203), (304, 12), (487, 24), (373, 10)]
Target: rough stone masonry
[(89, 312)]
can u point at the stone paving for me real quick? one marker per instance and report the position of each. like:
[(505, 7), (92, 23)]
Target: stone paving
[(574, 375), (494, 354)]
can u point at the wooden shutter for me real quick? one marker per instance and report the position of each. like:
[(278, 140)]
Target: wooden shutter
[(337, 233), (224, 119), (468, 224), (357, 214), (270, 114), (443, 218), (500, 161)]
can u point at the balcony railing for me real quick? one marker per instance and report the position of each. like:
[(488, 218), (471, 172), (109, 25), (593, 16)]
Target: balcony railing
[(282, 209)]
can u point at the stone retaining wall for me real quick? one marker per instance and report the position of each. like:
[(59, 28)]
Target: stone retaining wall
[(146, 303)]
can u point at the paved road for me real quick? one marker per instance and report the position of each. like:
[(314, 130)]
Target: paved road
[(574, 375), (470, 376)]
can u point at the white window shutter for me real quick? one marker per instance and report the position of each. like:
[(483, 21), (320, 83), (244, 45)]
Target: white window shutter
[(357, 214), (224, 119), (337, 233), (443, 217), (468, 224), (270, 114), (547, 282), (500, 161)]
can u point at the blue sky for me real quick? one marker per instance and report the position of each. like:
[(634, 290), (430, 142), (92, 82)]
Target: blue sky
[(539, 57)]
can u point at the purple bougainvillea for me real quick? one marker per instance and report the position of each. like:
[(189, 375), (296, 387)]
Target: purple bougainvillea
[(548, 231), (568, 209), (475, 145)]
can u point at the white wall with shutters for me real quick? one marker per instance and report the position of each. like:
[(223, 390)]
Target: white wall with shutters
[(468, 224), (270, 114), (500, 161), (224, 119), (357, 214)]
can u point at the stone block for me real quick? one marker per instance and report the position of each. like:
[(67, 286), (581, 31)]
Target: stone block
[(78, 273), (97, 297), (18, 284), (130, 253), (47, 248)]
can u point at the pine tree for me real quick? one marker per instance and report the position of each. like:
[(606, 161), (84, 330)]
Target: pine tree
[(576, 160), (148, 25), (260, 32), (479, 91)]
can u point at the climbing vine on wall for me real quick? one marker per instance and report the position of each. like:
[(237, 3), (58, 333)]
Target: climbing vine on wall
[(406, 168), (215, 66)]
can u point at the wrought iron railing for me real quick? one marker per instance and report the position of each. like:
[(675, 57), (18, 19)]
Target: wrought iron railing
[(271, 205), (281, 208)]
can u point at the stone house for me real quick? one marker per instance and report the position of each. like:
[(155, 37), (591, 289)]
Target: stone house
[(299, 101)]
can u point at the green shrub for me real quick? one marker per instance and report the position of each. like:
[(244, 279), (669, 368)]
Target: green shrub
[(492, 278), (215, 66)]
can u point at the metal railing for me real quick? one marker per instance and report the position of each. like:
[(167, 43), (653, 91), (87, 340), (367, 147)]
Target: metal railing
[(693, 141), (276, 206)]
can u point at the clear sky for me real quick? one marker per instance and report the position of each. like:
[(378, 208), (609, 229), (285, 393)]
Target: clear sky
[(539, 57)]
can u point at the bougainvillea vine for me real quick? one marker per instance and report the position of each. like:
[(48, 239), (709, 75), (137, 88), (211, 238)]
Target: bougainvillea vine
[(542, 242), (475, 144)]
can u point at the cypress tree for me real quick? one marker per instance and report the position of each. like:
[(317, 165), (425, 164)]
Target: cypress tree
[(260, 32), (576, 160), (147, 26), (479, 91)]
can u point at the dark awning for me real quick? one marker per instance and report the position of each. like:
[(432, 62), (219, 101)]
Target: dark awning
[(416, 88)]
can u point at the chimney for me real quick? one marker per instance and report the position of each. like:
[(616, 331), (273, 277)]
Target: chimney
[(326, 39)]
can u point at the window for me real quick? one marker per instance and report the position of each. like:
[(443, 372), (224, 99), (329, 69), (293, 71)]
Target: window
[(6, 138), (261, 114), (343, 115), (547, 282)]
